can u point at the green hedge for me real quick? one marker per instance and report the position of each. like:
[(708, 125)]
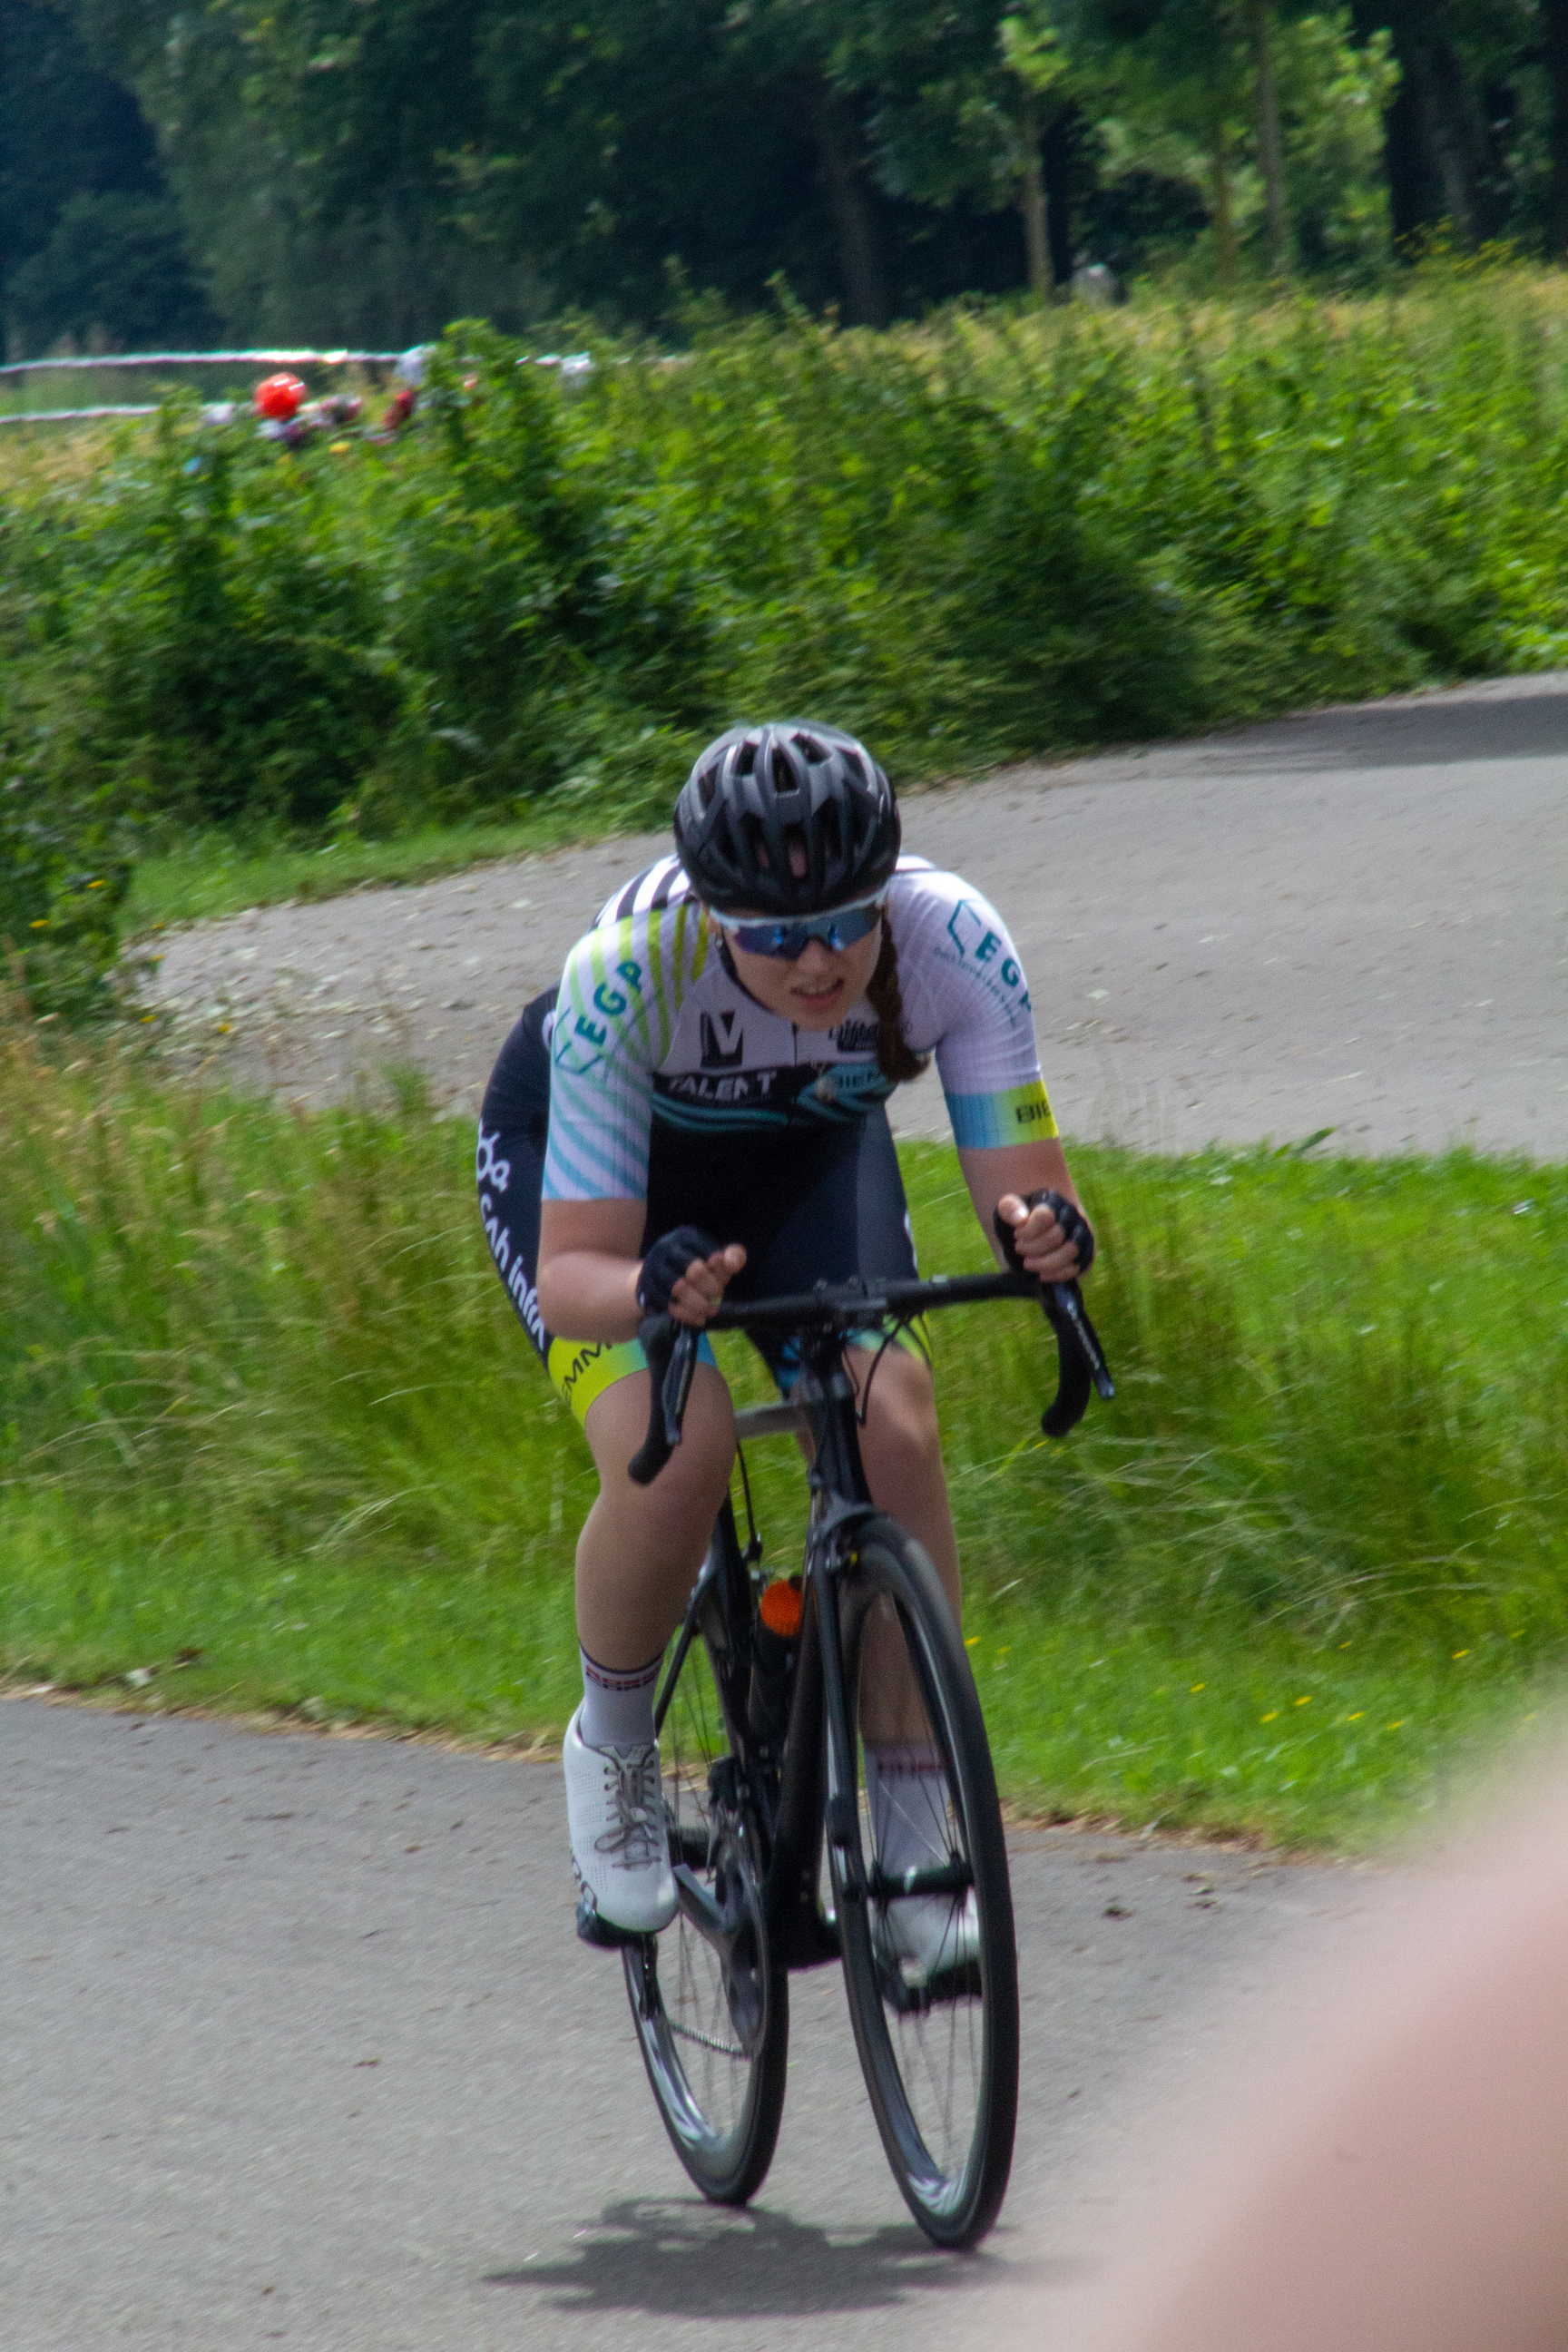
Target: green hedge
[(63, 874), (992, 538)]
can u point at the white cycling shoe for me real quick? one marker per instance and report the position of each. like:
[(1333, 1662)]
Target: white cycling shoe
[(620, 1841), (927, 1936)]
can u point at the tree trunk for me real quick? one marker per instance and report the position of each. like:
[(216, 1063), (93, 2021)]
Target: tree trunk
[(854, 224), (1433, 136), (1220, 204), (1441, 100), (1404, 160), (1031, 204), (1553, 16), (1270, 145), (1058, 152)]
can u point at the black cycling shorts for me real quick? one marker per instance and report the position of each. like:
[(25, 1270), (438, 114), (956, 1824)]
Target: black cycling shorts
[(823, 1205)]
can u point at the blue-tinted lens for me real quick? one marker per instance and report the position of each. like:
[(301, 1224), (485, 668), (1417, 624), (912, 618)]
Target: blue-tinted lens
[(788, 940)]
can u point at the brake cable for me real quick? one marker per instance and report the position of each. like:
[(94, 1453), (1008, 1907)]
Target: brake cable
[(889, 1337)]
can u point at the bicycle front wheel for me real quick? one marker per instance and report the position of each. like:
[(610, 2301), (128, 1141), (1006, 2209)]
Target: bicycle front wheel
[(711, 2009), (921, 1892)]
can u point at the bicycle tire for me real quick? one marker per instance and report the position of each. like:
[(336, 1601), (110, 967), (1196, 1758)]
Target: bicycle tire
[(939, 2052), (712, 2011)]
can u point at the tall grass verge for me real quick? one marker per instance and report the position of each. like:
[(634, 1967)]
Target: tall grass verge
[(270, 1436)]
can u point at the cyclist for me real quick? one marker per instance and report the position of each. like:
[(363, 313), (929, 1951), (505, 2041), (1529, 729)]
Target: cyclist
[(700, 1108)]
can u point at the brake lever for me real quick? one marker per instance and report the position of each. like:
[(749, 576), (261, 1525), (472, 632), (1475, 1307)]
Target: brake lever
[(671, 1351), (1080, 1358), (1068, 1298)]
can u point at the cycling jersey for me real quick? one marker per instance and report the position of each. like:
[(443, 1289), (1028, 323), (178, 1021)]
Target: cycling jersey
[(825, 1203), (652, 1027), (620, 1086)]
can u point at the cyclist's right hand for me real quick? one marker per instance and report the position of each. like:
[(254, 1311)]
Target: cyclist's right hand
[(685, 1275)]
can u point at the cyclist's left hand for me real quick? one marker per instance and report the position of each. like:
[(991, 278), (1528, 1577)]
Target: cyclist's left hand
[(1048, 1251)]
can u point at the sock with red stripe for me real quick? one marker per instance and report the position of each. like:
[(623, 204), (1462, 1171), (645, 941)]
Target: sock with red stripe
[(617, 1703)]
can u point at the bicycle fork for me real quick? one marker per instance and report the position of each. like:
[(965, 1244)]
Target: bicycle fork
[(816, 1789)]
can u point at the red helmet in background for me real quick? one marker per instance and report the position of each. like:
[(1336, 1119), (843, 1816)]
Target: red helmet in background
[(278, 398)]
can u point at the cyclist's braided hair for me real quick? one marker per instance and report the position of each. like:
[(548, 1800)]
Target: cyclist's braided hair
[(894, 1057)]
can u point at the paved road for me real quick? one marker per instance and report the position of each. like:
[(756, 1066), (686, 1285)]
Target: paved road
[(1353, 920), (302, 2050)]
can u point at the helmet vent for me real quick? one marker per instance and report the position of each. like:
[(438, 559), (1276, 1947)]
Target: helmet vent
[(789, 818)]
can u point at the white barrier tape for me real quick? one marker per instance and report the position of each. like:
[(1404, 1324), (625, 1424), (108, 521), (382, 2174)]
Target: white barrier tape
[(70, 416), (210, 359)]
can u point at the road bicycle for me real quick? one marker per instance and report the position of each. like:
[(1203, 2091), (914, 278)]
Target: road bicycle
[(765, 1710)]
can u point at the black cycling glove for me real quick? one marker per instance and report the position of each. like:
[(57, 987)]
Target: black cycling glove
[(1075, 1225), (666, 1263)]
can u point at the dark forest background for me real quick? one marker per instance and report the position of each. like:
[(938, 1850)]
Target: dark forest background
[(365, 170)]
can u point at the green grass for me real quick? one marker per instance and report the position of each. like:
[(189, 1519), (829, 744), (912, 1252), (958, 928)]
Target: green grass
[(268, 1431), (210, 874)]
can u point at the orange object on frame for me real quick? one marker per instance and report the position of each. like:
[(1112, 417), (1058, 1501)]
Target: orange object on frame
[(780, 1609)]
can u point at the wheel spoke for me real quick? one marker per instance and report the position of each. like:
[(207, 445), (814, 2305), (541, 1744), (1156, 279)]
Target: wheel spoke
[(712, 2033), (707, 2041), (928, 1958)]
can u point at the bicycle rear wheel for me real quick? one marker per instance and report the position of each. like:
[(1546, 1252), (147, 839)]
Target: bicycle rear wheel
[(936, 2025), (711, 2009)]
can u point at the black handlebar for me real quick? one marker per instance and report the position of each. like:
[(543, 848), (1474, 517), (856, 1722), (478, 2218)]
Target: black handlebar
[(671, 1348)]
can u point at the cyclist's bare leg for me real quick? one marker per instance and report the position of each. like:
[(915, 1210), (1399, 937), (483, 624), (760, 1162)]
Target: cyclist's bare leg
[(641, 1545), (900, 1446)]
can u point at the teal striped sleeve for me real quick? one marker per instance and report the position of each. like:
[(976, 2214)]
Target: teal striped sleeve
[(621, 990), (1016, 1115)]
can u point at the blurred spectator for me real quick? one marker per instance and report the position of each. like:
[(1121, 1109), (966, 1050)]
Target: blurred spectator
[(1389, 2171)]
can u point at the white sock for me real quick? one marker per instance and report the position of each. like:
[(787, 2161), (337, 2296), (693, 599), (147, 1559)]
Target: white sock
[(907, 1788), (617, 1705)]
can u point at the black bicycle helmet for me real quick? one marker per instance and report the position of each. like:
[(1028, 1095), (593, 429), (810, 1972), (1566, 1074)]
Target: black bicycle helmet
[(760, 792)]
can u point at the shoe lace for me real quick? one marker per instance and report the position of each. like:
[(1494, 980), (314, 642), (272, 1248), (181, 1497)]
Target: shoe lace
[(636, 1812)]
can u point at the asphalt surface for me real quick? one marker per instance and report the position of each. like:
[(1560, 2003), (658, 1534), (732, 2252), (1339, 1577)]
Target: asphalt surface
[(301, 2049), (1354, 919)]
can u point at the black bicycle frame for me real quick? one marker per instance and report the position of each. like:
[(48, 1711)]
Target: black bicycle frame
[(814, 1791)]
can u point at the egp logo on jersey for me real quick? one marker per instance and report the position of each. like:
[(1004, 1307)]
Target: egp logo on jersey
[(578, 1044), (582, 1035), (977, 943)]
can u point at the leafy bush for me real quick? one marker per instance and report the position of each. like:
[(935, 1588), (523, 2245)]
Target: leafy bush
[(992, 538), (63, 874), (223, 632), (544, 622)]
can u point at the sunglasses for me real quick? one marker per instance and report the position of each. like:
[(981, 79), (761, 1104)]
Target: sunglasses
[(787, 941)]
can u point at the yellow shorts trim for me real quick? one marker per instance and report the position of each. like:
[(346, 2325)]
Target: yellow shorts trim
[(582, 1370)]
